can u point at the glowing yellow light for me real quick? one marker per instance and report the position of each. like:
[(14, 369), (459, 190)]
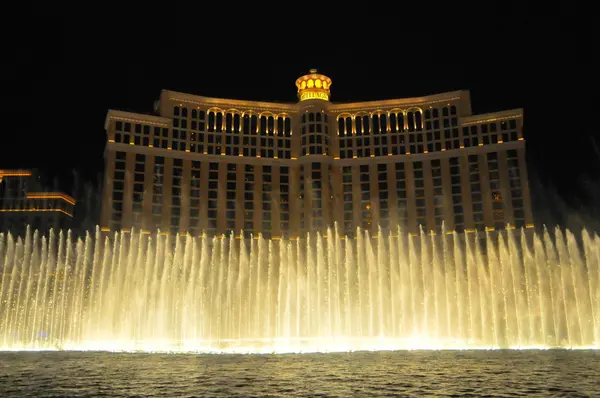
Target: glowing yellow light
[(325, 85), (336, 158), (131, 143), (293, 158), (14, 173), (318, 83), (368, 207), (500, 141), (50, 195), (354, 157), (490, 229), (510, 227), (187, 150), (462, 147), (111, 140), (169, 148), (480, 144), (303, 85), (306, 95), (310, 84), (469, 230), (35, 210), (105, 229), (443, 149), (529, 226), (372, 156), (241, 155), (150, 146), (425, 151), (521, 138)]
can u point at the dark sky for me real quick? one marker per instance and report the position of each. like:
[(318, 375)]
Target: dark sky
[(63, 73)]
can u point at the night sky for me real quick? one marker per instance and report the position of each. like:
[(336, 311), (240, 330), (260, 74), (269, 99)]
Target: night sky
[(64, 73)]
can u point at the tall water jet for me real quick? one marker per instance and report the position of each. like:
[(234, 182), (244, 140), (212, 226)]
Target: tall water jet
[(315, 293)]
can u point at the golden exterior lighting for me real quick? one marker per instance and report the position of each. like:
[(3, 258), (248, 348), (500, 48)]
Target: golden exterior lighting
[(15, 173), (35, 210), (51, 195), (313, 86), (489, 229), (529, 226), (105, 229)]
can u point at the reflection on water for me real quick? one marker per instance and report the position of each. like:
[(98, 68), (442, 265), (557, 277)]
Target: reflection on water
[(364, 374)]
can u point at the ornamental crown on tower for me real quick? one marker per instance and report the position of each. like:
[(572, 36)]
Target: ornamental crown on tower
[(313, 86)]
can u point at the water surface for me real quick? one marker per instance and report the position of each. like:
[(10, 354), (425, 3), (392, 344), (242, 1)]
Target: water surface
[(362, 374)]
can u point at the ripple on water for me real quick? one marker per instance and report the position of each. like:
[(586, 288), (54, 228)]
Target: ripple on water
[(358, 374)]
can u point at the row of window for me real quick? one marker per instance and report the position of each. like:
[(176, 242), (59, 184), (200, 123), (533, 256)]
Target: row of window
[(367, 192)]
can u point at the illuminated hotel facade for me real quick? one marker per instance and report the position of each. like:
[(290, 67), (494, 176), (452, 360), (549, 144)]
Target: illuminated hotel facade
[(219, 166), (22, 204)]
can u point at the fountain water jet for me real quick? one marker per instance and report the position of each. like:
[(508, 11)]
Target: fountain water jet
[(324, 292)]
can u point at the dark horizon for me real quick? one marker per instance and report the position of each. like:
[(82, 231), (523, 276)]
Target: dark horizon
[(60, 85)]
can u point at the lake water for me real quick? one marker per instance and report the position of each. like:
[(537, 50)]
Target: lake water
[(359, 374)]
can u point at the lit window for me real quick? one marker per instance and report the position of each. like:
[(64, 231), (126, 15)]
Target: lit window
[(318, 83), (310, 84)]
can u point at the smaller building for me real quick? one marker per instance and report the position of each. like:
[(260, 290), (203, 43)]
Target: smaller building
[(24, 202)]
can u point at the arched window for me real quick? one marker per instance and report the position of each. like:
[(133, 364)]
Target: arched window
[(393, 122), (400, 121), (427, 114), (384, 122), (211, 121), (435, 113), (453, 110), (445, 111), (311, 117), (366, 125), (341, 126), (263, 124), (219, 122), (288, 126), (270, 125), (359, 127), (411, 121), (229, 123), (176, 111), (246, 124), (254, 124), (236, 122), (348, 126), (280, 122), (184, 112), (194, 114), (375, 124), (418, 121), (318, 117)]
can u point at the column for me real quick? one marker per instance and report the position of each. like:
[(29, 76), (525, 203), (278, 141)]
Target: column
[(429, 205), (148, 193), (184, 218), (411, 205), (109, 173), (486, 192), (465, 188), (127, 216)]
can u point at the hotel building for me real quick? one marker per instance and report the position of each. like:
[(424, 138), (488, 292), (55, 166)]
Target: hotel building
[(22, 203), (282, 169)]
